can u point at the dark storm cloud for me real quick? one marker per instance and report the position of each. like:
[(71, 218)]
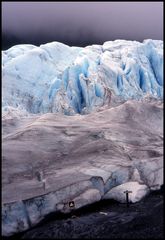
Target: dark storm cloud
[(80, 23)]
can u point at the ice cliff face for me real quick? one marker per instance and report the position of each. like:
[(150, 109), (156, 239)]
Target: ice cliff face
[(57, 78)]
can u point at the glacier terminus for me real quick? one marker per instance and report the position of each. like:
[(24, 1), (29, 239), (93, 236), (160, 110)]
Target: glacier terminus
[(79, 125), (57, 78)]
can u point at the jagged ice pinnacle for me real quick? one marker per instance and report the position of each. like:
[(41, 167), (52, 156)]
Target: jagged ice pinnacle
[(57, 78)]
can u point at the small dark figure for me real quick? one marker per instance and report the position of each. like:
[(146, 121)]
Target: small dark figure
[(127, 198), (71, 204), (40, 178), (39, 175)]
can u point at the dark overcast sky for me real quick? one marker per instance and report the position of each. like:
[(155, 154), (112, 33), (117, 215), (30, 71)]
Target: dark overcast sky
[(80, 23)]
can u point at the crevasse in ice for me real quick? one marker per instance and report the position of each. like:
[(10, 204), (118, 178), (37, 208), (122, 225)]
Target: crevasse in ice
[(57, 78)]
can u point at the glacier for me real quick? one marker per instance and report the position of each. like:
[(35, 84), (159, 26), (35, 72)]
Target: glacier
[(79, 124), (51, 159), (57, 78)]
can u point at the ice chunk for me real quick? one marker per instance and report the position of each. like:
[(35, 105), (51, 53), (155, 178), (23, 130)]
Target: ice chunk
[(137, 192)]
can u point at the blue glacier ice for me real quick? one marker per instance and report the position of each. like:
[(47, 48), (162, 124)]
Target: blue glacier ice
[(57, 78)]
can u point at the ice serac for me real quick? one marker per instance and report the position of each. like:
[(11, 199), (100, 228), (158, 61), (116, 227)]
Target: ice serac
[(57, 78)]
